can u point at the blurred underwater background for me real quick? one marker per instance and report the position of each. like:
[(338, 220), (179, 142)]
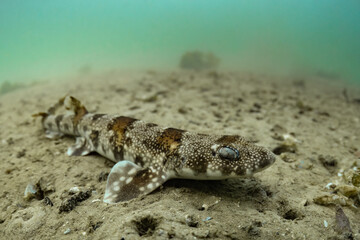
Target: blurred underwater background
[(41, 40)]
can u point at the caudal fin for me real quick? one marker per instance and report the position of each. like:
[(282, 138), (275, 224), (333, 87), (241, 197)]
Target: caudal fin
[(57, 122), (70, 103), (51, 110)]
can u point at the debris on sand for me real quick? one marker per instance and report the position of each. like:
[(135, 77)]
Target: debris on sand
[(333, 199), (344, 191), (47, 201), (103, 176), (191, 221), (69, 204), (342, 223), (288, 145)]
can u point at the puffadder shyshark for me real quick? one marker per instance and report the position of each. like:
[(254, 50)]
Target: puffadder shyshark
[(147, 155)]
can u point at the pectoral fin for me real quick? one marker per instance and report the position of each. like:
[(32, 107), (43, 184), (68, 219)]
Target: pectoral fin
[(127, 181), (53, 134), (80, 148)]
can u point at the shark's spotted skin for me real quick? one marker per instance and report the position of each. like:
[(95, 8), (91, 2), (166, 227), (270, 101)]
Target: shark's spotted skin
[(148, 155)]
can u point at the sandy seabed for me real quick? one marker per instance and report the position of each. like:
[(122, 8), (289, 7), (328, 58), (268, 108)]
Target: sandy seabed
[(310, 123)]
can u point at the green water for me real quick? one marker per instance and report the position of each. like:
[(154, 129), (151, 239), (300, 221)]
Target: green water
[(41, 39)]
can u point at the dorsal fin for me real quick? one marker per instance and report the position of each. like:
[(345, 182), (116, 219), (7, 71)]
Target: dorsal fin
[(76, 107)]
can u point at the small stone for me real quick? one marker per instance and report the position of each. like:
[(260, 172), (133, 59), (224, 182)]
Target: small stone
[(67, 231), (103, 176), (355, 180), (8, 141), (348, 190), (253, 230), (30, 191), (333, 127), (326, 224), (21, 153), (182, 110), (74, 190), (287, 158), (161, 232), (305, 202), (33, 191), (96, 226), (302, 107), (9, 171), (333, 200), (330, 186), (204, 207), (47, 201), (148, 97), (190, 221), (288, 145), (304, 165)]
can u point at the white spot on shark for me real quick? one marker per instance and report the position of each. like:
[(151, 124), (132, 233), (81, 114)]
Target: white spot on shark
[(129, 180), (132, 171)]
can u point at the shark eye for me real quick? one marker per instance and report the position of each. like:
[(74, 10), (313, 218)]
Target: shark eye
[(228, 153)]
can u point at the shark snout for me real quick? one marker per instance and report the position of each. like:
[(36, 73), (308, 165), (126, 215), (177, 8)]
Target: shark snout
[(268, 158)]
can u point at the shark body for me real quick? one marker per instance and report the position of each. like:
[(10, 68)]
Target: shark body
[(147, 155)]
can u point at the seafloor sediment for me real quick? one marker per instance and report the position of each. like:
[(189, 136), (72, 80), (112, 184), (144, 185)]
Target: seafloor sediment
[(312, 127)]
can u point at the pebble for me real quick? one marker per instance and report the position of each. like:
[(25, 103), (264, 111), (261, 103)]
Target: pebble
[(74, 190), (30, 191), (67, 231), (326, 223), (204, 207), (330, 185)]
